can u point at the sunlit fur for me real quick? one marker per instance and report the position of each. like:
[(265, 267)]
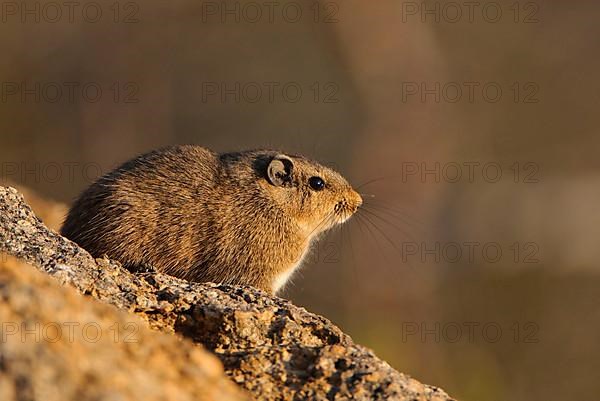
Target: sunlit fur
[(202, 216)]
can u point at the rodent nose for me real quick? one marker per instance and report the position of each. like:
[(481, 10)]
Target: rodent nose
[(357, 200)]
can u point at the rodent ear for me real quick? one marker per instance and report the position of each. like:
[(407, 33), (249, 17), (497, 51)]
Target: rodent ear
[(280, 170)]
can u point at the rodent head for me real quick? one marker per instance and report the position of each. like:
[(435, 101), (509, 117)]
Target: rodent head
[(315, 196)]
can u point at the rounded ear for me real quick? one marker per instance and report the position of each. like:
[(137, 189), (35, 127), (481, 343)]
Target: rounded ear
[(280, 170)]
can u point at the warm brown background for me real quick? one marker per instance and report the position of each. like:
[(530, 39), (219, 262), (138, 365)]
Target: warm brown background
[(368, 50)]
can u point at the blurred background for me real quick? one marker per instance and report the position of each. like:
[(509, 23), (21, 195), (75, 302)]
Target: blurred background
[(471, 129)]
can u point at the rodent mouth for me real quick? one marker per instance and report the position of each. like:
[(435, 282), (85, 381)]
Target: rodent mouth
[(343, 211), (342, 218)]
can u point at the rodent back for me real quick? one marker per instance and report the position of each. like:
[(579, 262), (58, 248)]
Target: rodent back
[(185, 211), (153, 196)]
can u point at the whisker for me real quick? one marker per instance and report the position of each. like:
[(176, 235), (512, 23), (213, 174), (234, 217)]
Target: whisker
[(354, 270), (360, 222), (372, 213), (382, 252), (387, 239), (392, 216), (360, 217), (368, 222), (371, 182), (325, 219), (381, 232), (394, 209)]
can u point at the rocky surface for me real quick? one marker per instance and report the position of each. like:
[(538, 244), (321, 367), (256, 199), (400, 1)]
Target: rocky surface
[(57, 345), (52, 213), (270, 347)]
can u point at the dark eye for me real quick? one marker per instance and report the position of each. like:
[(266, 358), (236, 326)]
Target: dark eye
[(316, 183)]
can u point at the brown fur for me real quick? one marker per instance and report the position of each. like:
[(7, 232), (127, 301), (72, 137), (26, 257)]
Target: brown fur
[(201, 216)]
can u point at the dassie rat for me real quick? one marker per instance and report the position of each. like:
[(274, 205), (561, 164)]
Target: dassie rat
[(245, 218)]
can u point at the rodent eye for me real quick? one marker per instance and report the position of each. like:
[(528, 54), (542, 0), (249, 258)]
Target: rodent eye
[(316, 183)]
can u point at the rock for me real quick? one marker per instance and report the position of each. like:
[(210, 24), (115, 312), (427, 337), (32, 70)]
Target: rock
[(268, 346), (52, 213), (57, 345)]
